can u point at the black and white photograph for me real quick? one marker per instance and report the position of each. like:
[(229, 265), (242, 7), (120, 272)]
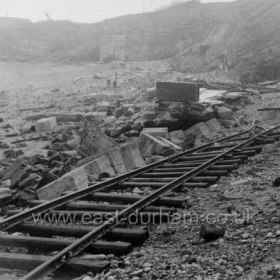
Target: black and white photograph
[(139, 140)]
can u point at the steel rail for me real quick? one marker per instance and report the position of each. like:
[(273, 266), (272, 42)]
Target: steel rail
[(18, 218), (78, 246)]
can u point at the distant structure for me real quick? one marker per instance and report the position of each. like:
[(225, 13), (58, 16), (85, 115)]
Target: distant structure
[(113, 47)]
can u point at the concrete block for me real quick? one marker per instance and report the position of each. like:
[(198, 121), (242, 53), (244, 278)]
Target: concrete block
[(132, 157), (99, 166), (224, 113), (149, 115), (213, 125), (45, 125), (180, 92), (151, 92), (156, 131), (116, 159), (60, 117), (149, 145), (196, 131), (178, 134), (74, 180), (170, 144)]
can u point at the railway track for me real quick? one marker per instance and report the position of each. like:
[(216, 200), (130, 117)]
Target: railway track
[(113, 202)]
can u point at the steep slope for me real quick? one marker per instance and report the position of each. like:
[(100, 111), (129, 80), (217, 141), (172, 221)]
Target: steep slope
[(195, 37)]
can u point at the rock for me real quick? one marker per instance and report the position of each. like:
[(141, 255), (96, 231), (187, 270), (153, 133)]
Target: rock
[(130, 111), (4, 145), (224, 112), (7, 126), (269, 235), (5, 191), (150, 145), (155, 158), (45, 125), (150, 92), (198, 130), (117, 161), (110, 120), (11, 153), (74, 141), (132, 133), (211, 232), (31, 181), (147, 264), (178, 134), (100, 167), (276, 182), (27, 128), (149, 115), (132, 157), (156, 131), (87, 278), (94, 141), (7, 183), (136, 273), (213, 125), (15, 172), (170, 144), (14, 133), (60, 117), (74, 180), (164, 119)]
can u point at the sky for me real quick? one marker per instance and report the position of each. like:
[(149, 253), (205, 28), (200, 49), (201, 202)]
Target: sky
[(87, 11)]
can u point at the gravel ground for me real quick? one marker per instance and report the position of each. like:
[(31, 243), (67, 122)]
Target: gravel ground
[(247, 202)]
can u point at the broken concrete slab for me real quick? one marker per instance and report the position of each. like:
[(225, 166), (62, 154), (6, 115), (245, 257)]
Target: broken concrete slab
[(45, 125), (170, 144), (132, 157), (156, 131), (214, 125), (150, 145), (94, 141), (116, 159), (77, 179), (74, 180), (150, 92), (60, 117), (27, 127), (178, 134), (199, 129), (99, 167)]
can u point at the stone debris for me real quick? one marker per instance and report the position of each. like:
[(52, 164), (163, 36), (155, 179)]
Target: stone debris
[(224, 112), (107, 132), (213, 125), (45, 125), (156, 131), (150, 145), (211, 232), (132, 157)]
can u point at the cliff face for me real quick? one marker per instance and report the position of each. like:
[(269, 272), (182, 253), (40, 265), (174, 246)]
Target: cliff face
[(196, 37)]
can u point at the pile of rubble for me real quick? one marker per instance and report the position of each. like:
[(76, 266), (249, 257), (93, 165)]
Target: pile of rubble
[(77, 149)]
